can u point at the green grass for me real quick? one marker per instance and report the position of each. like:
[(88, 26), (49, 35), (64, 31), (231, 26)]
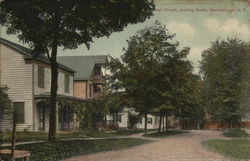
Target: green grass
[(165, 133), (24, 136), (66, 149), (231, 148), (236, 133), (129, 132), (35, 136)]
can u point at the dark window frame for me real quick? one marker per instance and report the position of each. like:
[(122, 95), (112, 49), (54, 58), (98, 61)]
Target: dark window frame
[(150, 120), (41, 77), (97, 70), (140, 120), (96, 88), (18, 120), (66, 83), (90, 90), (119, 118)]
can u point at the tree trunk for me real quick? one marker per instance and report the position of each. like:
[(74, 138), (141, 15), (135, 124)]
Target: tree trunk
[(163, 123), (159, 130), (146, 123), (116, 120), (53, 93), (113, 119), (231, 123), (13, 139), (198, 125), (166, 123)]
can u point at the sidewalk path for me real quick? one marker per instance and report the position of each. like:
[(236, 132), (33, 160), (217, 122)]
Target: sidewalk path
[(176, 148)]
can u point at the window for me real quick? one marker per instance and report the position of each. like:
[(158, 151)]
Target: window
[(40, 77), (19, 111), (97, 88), (97, 70), (66, 83), (140, 120), (150, 120), (119, 119), (90, 90)]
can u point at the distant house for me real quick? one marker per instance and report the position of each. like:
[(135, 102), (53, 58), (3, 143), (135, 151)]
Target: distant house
[(89, 79), (89, 82), (28, 79)]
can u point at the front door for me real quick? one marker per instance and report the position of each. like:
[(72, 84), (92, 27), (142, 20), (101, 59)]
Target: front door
[(41, 116)]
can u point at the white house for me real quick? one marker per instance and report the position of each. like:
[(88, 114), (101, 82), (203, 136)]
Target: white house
[(28, 78)]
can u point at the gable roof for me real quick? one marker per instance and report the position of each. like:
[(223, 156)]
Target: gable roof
[(31, 55), (83, 65)]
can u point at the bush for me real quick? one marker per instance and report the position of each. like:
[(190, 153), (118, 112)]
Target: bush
[(236, 133)]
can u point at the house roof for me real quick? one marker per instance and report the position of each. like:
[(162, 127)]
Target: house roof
[(83, 65), (46, 95), (31, 55)]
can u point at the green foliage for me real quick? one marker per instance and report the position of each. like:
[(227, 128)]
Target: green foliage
[(156, 77), (95, 110), (24, 136), (65, 149), (133, 120), (225, 67), (164, 134), (236, 133), (127, 132), (5, 102), (232, 148), (72, 22)]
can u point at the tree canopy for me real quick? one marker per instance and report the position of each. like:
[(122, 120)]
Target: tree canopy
[(153, 73), (224, 68), (74, 22)]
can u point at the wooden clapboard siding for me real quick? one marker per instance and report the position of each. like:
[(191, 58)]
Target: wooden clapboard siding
[(17, 75), (80, 89), (47, 77)]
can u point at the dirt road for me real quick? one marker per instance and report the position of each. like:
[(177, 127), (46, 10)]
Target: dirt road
[(175, 148)]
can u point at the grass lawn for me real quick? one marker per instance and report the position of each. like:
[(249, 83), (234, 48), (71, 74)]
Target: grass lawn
[(231, 148), (34, 136), (236, 133), (66, 149), (165, 133), (130, 132)]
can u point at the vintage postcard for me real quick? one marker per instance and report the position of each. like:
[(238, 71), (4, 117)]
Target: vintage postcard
[(124, 80)]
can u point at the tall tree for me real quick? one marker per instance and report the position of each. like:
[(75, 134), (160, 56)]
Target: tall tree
[(223, 67), (149, 70), (48, 24)]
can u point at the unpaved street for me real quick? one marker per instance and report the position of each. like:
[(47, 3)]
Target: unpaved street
[(180, 147)]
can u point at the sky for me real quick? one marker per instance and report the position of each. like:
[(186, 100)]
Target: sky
[(196, 24)]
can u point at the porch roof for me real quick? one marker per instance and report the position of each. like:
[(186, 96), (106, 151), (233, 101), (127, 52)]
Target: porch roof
[(46, 95)]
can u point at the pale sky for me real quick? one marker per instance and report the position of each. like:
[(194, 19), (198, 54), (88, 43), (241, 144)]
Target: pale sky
[(195, 22)]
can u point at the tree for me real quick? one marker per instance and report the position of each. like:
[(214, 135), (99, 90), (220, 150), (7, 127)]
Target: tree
[(114, 102), (5, 106), (152, 71), (48, 24), (224, 67), (5, 102)]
